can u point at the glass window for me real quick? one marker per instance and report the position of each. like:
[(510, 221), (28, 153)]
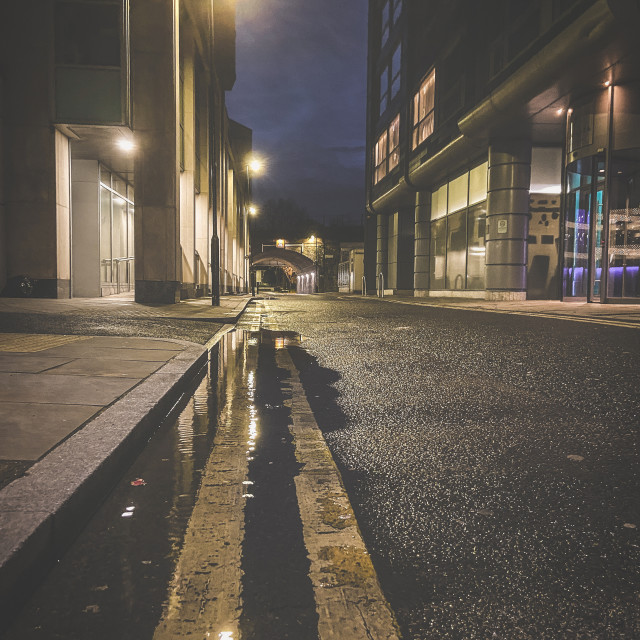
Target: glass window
[(384, 90), (397, 10), (478, 184), (476, 223), (390, 15), (624, 226), (87, 34), (105, 235), (423, 110), (394, 143), (439, 202), (386, 23), (458, 193), (396, 66), (381, 158), (387, 150), (438, 253), (456, 250), (577, 222), (458, 240), (131, 212)]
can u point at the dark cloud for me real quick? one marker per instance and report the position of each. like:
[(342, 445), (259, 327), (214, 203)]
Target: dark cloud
[(301, 87)]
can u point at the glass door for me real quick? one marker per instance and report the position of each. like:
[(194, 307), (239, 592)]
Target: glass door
[(584, 240), (579, 203), (623, 282)]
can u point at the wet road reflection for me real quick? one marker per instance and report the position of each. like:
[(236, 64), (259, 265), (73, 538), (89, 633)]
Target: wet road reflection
[(204, 522), (112, 582)]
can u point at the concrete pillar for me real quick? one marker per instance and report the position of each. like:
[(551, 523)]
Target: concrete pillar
[(187, 174), (3, 242), (422, 238), (32, 233), (86, 228), (154, 63), (406, 229), (507, 219), (382, 246), (392, 252)]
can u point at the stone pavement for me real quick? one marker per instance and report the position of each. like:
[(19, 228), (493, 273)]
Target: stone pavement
[(619, 315), (74, 409), (125, 306)]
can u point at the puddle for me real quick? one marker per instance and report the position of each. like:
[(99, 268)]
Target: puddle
[(114, 580)]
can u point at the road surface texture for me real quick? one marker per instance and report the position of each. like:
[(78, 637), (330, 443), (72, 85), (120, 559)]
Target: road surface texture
[(492, 461), (232, 523)]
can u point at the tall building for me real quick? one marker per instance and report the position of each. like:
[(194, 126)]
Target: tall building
[(120, 168), (503, 148)]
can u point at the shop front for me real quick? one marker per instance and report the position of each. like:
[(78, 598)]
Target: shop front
[(601, 253)]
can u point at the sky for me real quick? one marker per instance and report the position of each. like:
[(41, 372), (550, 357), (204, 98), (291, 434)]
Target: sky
[(301, 87)]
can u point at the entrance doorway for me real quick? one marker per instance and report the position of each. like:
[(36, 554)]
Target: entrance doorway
[(602, 248), (116, 234), (584, 230), (623, 282)]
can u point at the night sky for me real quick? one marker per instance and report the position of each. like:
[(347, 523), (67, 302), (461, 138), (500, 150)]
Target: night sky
[(301, 87)]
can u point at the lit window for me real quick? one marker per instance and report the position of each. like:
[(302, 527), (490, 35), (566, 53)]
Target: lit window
[(387, 150), (381, 158), (423, 109), (394, 143)]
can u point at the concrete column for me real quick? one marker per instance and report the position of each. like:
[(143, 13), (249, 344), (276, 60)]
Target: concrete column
[(421, 244), (86, 228), (187, 174), (392, 252), (382, 246), (3, 242), (508, 219), (406, 228), (154, 63), (32, 233)]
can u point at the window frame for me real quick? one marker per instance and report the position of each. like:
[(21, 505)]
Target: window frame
[(386, 157), (389, 18), (416, 139), (390, 79)]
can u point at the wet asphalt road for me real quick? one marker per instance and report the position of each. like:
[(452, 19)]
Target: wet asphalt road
[(492, 461)]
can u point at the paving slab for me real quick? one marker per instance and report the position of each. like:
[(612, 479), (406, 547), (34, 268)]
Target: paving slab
[(86, 350), (133, 343), (64, 389), (27, 363), (29, 343), (109, 367), (28, 431)]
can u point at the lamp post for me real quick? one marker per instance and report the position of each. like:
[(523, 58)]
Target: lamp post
[(314, 239), (253, 166), (252, 210)]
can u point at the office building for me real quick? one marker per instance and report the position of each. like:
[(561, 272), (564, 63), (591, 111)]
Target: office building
[(120, 168), (503, 149)]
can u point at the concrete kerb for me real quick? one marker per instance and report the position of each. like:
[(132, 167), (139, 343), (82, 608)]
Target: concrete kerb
[(42, 512)]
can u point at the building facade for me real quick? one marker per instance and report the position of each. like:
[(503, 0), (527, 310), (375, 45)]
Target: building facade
[(120, 168), (503, 146)]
